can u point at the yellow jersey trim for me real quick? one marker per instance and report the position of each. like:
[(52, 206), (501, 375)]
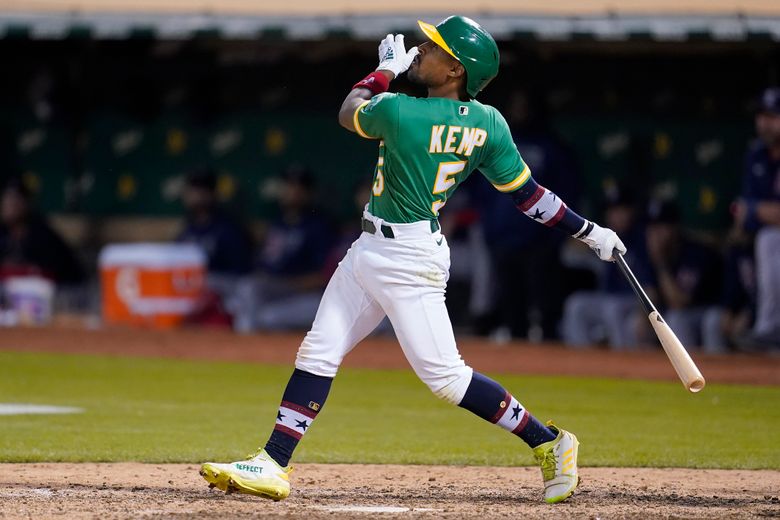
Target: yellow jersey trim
[(356, 121), (433, 33), (519, 181)]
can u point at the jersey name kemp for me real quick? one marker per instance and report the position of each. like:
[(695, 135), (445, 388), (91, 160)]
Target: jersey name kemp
[(446, 141)]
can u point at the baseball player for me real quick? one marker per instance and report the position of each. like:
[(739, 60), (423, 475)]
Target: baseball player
[(399, 265)]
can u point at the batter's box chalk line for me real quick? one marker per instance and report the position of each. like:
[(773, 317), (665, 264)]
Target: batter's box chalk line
[(378, 509), (27, 493)]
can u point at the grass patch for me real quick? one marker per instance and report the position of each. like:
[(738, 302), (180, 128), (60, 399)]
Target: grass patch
[(162, 410)]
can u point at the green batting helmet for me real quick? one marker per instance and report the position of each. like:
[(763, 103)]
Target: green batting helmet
[(471, 45)]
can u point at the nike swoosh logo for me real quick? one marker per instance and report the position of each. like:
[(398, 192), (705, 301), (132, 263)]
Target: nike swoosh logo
[(438, 242)]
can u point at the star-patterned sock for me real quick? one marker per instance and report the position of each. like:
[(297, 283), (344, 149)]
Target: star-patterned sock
[(302, 400), (487, 399)]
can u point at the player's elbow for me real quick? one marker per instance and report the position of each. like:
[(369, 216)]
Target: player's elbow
[(348, 108), (345, 118)]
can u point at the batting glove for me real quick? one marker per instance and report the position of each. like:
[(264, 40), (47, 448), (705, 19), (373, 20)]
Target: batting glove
[(393, 55), (603, 241)]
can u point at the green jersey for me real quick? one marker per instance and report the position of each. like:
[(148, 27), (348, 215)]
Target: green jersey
[(428, 146)]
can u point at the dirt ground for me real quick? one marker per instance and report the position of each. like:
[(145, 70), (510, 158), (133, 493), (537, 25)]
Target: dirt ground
[(133, 490)]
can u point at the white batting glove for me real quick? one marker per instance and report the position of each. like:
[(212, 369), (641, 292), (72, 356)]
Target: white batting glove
[(603, 241), (393, 55)]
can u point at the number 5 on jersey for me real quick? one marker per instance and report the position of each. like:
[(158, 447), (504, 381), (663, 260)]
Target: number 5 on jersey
[(444, 182), (379, 182)]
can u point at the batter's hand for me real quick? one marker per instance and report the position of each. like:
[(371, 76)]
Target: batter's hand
[(603, 241), (393, 55)]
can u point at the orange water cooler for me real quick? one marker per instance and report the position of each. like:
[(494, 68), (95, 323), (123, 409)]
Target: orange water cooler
[(155, 285)]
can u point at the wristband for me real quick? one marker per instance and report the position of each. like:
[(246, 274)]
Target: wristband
[(584, 231), (376, 82)]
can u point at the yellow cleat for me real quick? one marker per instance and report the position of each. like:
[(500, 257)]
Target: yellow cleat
[(558, 459), (259, 475)]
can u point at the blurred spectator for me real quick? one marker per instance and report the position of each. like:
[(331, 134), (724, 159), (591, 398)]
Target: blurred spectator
[(738, 301), (758, 211), (348, 232), (525, 255), (226, 243), (687, 279), (471, 286), (289, 279), (612, 312), (28, 245)]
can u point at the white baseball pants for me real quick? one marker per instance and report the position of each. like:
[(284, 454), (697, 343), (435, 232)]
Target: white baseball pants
[(405, 278)]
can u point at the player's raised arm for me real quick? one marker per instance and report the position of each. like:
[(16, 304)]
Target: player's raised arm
[(394, 60)]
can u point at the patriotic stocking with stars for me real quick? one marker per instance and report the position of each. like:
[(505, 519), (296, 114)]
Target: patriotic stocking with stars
[(487, 399), (302, 401)]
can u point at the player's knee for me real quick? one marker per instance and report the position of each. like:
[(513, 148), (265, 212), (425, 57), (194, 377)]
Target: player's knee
[(315, 359), (316, 367), (452, 385)]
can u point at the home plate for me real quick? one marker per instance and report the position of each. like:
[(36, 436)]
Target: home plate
[(377, 509), (36, 409)]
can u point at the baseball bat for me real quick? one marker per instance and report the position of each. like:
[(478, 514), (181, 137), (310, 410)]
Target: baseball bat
[(681, 361)]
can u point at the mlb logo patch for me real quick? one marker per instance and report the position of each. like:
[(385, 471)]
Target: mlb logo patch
[(463, 110)]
